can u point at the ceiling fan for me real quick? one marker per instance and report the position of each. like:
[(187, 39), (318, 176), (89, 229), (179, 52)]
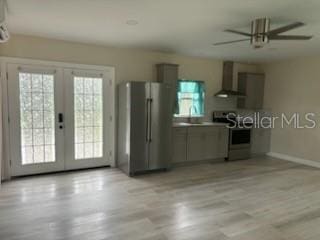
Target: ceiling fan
[(4, 33), (261, 34)]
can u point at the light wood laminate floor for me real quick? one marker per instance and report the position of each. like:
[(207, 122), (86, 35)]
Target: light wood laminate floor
[(258, 199)]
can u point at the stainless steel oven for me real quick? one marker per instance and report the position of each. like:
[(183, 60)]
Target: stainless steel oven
[(239, 135), (240, 138), (239, 143)]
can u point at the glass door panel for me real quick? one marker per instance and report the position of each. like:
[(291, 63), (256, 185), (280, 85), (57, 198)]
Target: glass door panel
[(88, 120), (35, 99), (37, 117)]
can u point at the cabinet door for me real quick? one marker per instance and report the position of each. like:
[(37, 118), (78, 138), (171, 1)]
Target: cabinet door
[(216, 143), (260, 140), (179, 145), (196, 146), (223, 143), (212, 143), (252, 85), (258, 81), (206, 143)]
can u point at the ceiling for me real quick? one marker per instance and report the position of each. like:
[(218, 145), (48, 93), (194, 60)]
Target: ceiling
[(186, 27)]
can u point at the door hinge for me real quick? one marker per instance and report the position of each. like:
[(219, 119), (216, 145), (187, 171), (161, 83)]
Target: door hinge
[(8, 119), (10, 162), (7, 75), (110, 118)]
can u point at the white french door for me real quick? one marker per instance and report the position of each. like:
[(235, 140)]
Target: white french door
[(86, 108), (59, 118), (36, 141)]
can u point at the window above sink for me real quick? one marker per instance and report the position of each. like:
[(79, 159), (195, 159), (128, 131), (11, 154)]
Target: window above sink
[(190, 98)]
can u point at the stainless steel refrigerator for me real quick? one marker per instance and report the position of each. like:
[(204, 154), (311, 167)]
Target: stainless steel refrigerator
[(144, 126)]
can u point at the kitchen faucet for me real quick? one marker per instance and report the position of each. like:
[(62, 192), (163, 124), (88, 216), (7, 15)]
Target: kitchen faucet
[(190, 112)]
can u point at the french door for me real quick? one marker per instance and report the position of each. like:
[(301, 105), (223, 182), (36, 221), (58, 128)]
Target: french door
[(59, 118)]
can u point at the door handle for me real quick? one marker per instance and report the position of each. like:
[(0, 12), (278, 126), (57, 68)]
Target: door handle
[(60, 120), (150, 120), (60, 117), (148, 131), (147, 120)]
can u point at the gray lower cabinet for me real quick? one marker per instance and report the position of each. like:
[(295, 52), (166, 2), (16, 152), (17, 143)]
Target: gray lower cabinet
[(180, 145), (196, 142), (211, 144), (223, 143), (260, 139), (199, 143)]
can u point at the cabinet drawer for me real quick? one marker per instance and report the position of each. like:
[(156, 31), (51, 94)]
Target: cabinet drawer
[(180, 131), (204, 130), (198, 130)]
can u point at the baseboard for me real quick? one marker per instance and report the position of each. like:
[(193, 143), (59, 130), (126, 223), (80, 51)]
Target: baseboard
[(294, 159)]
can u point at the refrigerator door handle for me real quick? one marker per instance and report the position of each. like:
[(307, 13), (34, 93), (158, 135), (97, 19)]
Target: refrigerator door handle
[(150, 119), (148, 130), (147, 121)]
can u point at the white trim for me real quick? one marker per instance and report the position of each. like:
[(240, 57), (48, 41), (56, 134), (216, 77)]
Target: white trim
[(6, 170), (36, 62), (4, 61), (294, 159)]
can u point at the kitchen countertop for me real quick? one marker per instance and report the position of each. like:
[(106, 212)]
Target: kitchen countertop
[(203, 124)]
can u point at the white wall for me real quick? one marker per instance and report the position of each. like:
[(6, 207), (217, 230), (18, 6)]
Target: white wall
[(293, 86), (130, 64)]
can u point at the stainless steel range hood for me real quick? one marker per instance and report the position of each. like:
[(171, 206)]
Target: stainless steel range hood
[(227, 80)]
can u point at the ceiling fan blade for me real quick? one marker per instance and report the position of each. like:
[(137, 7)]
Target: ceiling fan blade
[(238, 32), (290, 37), (222, 43), (285, 28)]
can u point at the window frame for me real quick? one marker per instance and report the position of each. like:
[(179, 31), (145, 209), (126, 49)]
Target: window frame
[(202, 114)]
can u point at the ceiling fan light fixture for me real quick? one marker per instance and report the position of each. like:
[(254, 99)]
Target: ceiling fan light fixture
[(259, 41), (259, 28), (4, 33)]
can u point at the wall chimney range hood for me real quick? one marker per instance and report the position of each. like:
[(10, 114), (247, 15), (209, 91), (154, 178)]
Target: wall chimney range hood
[(227, 82)]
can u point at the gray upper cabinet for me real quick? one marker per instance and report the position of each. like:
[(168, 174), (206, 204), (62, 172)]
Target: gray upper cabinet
[(252, 85), (168, 74)]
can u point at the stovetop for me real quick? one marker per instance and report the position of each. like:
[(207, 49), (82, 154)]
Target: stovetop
[(230, 117)]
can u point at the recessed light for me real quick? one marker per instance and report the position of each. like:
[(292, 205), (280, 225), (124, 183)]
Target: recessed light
[(132, 22)]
